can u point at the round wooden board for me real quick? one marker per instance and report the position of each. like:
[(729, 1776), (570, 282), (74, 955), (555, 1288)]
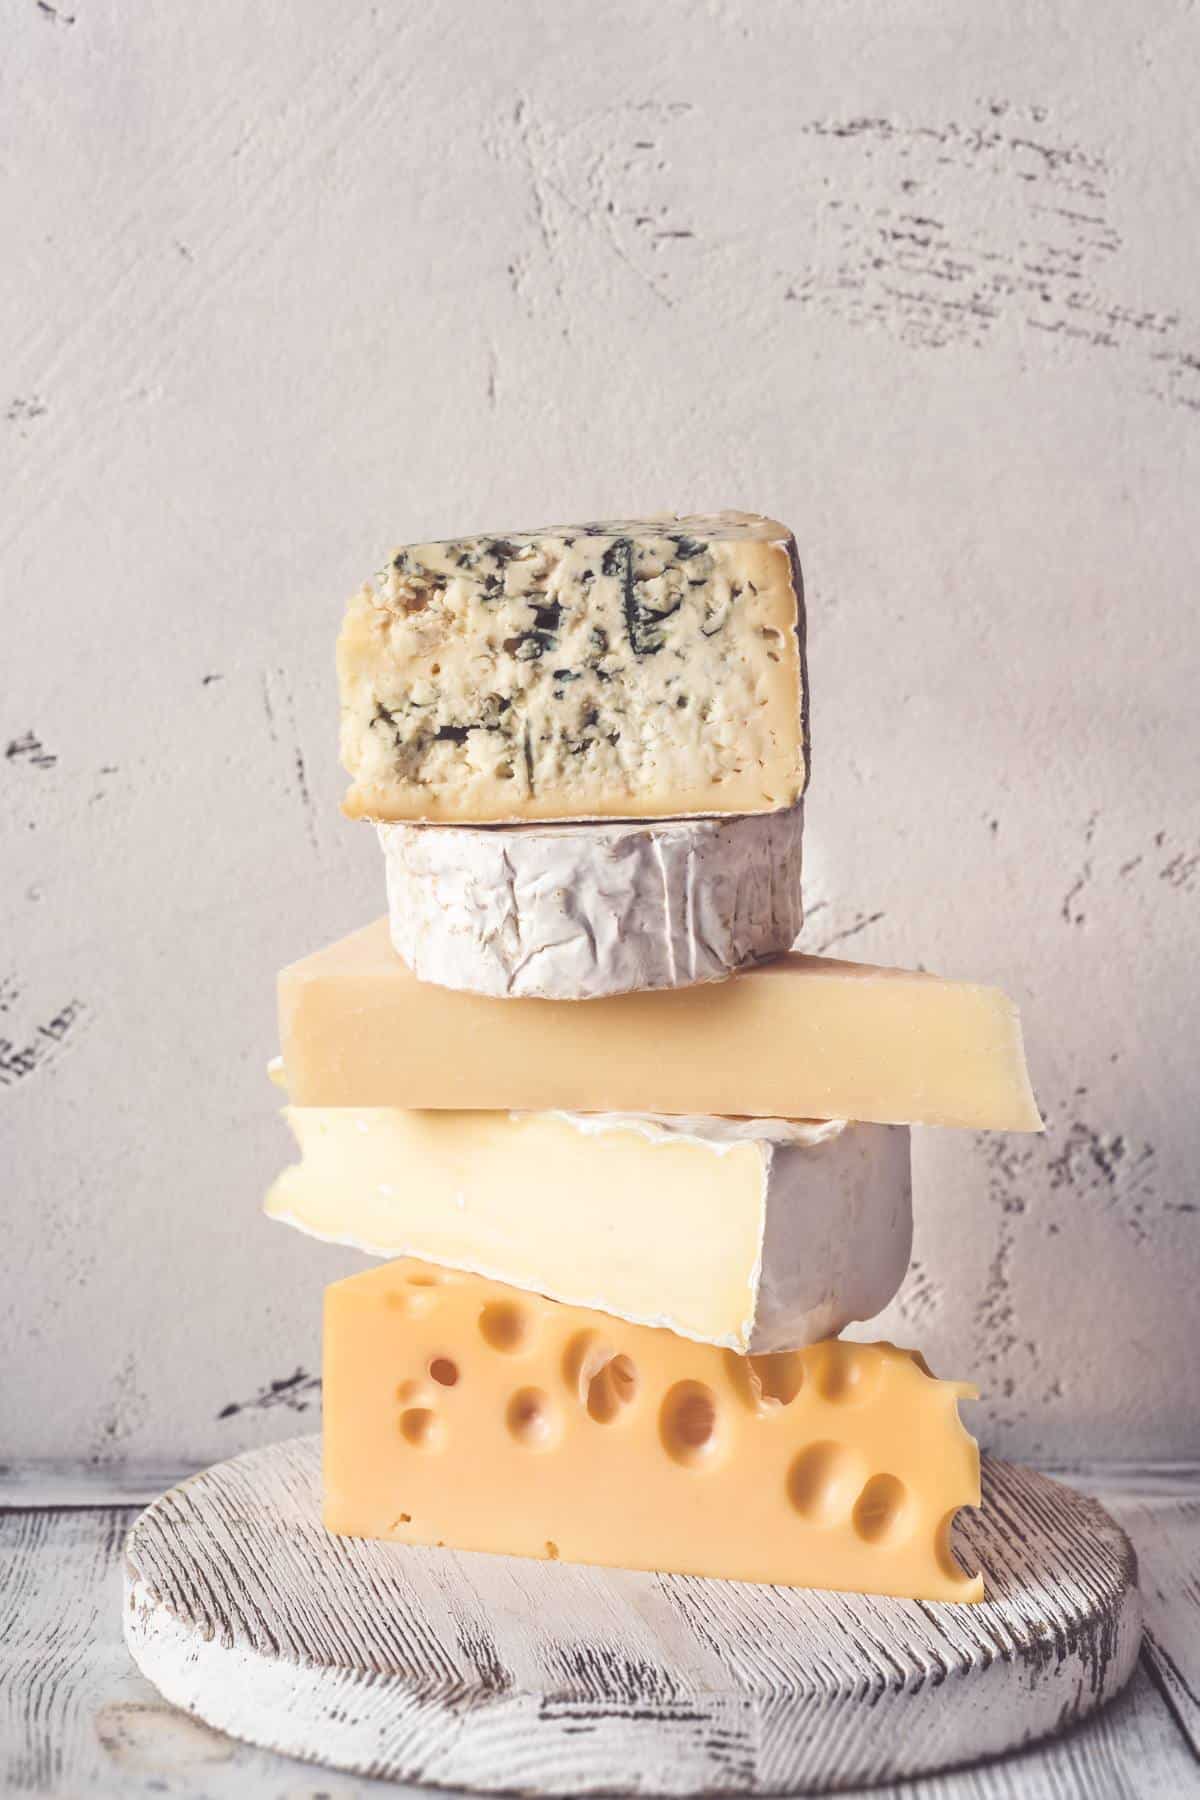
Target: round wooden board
[(496, 1673)]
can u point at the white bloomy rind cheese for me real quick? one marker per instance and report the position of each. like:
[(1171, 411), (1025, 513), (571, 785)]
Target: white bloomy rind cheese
[(758, 1235), (574, 912), (638, 668)]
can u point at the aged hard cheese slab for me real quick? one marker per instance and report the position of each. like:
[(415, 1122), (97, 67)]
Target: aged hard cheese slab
[(458, 1411), (801, 1037), (574, 912), (637, 668), (756, 1234)]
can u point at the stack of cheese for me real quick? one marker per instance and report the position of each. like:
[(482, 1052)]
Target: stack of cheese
[(639, 1164)]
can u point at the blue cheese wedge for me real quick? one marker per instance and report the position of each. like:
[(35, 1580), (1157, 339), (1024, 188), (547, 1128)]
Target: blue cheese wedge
[(575, 912), (757, 1234), (639, 668)]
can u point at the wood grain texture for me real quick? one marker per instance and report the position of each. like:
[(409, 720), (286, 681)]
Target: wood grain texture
[(76, 1717), (108, 1734), (1167, 1532), (509, 1675)]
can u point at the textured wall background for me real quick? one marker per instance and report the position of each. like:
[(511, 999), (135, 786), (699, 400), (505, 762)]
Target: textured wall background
[(286, 283)]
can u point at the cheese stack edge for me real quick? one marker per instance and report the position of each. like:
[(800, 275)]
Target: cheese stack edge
[(618, 1240)]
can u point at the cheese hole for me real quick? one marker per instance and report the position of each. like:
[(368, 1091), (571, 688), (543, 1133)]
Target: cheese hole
[(505, 1326), (943, 1549), (604, 1380), (846, 1372), (423, 1278), (412, 1301), (823, 1481), (611, 1388), (551, 1550), (420, 1427), (531, 1419), (779, 1378), (688, 1423), (881, 1512), (444, 1371)]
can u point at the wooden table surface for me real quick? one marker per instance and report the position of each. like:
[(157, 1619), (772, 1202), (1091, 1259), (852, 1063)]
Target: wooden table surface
[(76, 1718)]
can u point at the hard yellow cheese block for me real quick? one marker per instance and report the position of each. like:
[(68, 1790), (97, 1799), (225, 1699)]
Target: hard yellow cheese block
[(459, 1411), (802, 1037)]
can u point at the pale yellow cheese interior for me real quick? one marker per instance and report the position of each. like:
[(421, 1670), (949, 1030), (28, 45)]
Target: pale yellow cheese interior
[(462, 1412), (668, 1232), (802, 1037)]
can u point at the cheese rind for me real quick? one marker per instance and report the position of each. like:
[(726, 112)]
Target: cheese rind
[(458, 1411), (759, 1235), (575, 912), (800, 1037), (644, 668)]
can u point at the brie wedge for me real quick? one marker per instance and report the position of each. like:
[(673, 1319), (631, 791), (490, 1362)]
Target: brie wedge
[(756, 1234)]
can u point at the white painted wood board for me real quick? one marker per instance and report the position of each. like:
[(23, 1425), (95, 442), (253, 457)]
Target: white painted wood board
[(1167, 1533), (505, 1674), (77, 1718)]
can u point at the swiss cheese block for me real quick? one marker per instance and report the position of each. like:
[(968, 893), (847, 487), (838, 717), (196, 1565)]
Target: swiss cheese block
[(637, 668), (800, 1037), (757, 1234), (458, 1411), (573, 912)]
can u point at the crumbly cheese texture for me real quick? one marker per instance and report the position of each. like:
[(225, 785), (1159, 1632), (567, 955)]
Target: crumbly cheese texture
[(575, 912), (803, 1037), (461, 1412), (758, 1235), (636, 668)]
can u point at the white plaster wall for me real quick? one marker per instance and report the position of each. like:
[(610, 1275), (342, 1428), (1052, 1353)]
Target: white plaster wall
[(286, 283)]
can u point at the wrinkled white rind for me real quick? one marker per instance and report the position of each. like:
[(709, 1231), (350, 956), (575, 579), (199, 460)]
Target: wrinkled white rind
[(718, 1131), (838, 1234), (577, 912), (824, 1240)]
